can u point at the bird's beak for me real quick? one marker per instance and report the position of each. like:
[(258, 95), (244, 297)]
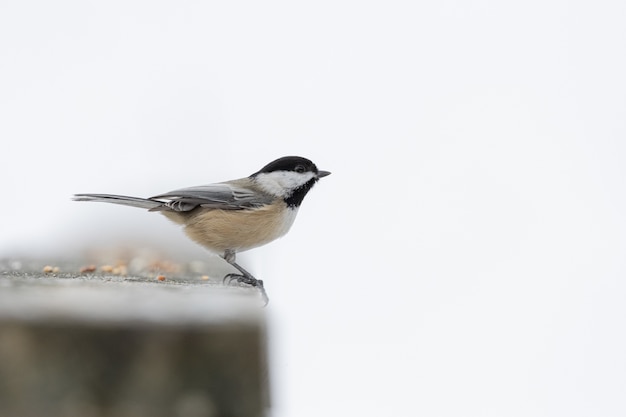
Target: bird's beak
[(321, 174)]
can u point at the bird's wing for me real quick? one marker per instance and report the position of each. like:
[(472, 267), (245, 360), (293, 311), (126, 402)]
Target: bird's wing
[(224, 196)]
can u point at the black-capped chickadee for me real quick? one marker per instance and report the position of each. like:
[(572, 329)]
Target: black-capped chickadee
[(237, 215)]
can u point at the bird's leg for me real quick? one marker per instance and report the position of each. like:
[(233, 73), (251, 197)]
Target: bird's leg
[(245, 276)]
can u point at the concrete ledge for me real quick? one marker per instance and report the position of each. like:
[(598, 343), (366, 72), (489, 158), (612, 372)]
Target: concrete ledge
[(96, 344)]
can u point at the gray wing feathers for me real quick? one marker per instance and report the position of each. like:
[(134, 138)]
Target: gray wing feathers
[(222, 196)]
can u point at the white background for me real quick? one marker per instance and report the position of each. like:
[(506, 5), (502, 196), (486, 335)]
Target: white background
[(467, 255)]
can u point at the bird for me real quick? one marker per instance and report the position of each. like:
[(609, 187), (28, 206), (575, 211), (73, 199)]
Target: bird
[(237, 215)]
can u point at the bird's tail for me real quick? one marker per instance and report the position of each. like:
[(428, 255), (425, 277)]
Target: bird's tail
[(119, 199)]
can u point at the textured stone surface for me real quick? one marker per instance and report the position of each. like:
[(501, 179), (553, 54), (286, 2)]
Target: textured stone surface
[(99, 344)]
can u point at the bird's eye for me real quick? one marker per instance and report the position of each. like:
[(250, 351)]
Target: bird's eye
[(300, 169)]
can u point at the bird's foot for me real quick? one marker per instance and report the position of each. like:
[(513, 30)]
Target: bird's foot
[(243, 279), (249, 280)]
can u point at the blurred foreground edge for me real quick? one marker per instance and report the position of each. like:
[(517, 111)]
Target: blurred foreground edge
[(72, 345)]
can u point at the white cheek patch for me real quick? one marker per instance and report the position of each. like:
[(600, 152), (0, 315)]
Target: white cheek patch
[(282, 183)]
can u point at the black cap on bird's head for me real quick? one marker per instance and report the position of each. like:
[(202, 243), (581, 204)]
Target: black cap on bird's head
[(292, 163), (290, 177)]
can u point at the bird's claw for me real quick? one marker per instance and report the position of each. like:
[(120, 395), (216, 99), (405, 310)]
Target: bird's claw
[(253, 282), (230, 278)]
